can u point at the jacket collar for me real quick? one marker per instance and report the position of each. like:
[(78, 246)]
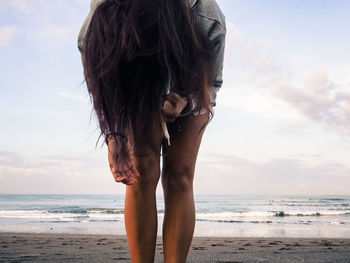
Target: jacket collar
[(192, 2)]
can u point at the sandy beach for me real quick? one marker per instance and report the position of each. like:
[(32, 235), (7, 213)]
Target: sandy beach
[(88, 248)]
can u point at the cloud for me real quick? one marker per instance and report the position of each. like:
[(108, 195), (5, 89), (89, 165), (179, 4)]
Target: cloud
[(317, 98), (215, 173), (28, 7), (229, 174), (54, 174), (49, 36), (54, 32), (246, 62), (79, 98), (268, 87), (12, 163), (7, 34), (23, 6), (234, 37), (47, 24), (248, 58), (11, 158)]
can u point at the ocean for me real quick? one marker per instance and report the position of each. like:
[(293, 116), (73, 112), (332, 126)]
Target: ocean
[(217, 215)]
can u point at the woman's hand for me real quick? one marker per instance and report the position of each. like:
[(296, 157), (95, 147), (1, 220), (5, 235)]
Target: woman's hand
[(120, 162), (172, 107)]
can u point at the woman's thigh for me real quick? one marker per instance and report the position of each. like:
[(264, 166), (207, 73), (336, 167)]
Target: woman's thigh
[(146, 156), (179, 159)]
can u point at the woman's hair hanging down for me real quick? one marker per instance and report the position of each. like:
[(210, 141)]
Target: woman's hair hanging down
[(132, 48)]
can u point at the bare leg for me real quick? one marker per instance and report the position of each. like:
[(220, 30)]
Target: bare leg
[(177, 179), (140, 207)]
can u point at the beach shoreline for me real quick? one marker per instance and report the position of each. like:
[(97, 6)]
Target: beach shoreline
[(216, 215), (107, 248)]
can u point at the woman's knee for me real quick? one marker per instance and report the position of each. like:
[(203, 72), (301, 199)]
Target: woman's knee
[(178, 178), (149, 169)]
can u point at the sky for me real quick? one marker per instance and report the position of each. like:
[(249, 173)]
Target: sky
[(281, 124)]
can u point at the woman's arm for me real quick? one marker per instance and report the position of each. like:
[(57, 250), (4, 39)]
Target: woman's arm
[(173, 106)]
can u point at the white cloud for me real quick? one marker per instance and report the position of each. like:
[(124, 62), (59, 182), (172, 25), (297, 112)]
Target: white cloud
[(317, 98), (256, 81), (24, 6), (234, 37), (55, 174), (247, 58), (47, 24), (32, 6), (12, 163), (7, 34), (258, 102), (79, 98), (50, 36), (246, 62), (232, 175), (54, 32), (215, 174)]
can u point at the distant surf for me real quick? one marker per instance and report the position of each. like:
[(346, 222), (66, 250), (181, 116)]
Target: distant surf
[(217, 215)]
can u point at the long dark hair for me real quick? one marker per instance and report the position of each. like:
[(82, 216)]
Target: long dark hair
[(132, 48)]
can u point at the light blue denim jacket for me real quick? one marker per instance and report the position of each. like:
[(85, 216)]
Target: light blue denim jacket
[(208, 17)]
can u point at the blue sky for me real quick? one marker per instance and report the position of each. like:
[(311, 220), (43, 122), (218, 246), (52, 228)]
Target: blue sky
[(281, 126)]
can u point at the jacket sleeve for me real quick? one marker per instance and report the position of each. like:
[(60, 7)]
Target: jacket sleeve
[(218, 37), (93, 5), (212, 21)]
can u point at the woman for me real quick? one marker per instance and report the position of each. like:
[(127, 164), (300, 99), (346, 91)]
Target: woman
[(153, 68)]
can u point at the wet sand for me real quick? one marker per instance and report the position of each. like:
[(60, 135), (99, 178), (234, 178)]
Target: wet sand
[(88, 248)]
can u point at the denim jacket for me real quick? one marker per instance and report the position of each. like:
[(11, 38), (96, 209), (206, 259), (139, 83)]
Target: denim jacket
[(208, 17)]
